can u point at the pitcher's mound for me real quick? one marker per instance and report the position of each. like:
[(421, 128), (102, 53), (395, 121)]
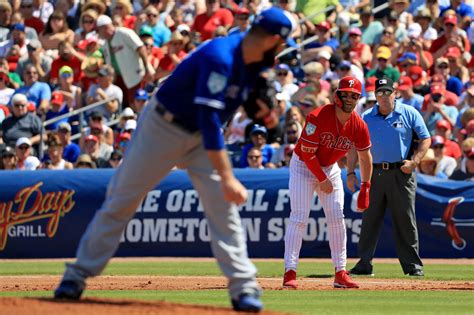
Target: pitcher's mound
[(96, 306)]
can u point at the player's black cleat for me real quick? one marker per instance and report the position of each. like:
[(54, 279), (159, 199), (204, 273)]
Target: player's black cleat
[(359, 272), (247, 303), (69, 290)]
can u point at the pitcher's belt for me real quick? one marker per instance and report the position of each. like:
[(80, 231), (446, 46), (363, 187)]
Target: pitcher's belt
[(171, 118)]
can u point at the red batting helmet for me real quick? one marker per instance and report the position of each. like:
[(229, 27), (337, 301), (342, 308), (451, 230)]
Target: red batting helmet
[(347, 84)]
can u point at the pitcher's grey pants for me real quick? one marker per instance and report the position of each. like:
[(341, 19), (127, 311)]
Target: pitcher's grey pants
[(158, 146), (396, 191)]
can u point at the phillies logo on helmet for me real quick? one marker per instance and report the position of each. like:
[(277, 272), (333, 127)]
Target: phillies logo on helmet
[(347, 84)]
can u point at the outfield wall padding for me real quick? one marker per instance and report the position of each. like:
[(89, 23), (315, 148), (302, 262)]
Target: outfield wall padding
[(44, 213)]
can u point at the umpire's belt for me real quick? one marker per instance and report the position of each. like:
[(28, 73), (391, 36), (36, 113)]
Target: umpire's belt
[(387, 166), (172, 118)]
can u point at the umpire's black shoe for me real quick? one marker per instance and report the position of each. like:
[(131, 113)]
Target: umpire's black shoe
[(69, 290), (359, 272), (416, 273), (247, 303)]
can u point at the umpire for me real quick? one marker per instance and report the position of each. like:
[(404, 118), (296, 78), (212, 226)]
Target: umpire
[(392, 126)]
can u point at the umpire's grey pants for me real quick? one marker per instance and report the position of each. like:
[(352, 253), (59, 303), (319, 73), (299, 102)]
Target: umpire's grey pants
[(396, 191), (157, 146)]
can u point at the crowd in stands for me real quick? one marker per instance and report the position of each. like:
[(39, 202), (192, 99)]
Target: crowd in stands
[(62, 55)]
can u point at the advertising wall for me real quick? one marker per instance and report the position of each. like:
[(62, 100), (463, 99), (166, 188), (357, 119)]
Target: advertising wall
[(44, 213)]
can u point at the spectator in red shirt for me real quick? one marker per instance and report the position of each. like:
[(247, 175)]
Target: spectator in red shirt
[(124, 9), (451, 148), (68, 56), (174, 56), (26, 10), (206, 23), (452, 36)]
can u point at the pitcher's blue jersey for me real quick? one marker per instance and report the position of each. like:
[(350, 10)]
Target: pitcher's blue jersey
[(208, 86)]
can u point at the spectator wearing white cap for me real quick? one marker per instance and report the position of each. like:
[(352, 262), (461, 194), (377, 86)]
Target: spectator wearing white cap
[(21, 123), (284, 76), (26, 162), (125, 52)]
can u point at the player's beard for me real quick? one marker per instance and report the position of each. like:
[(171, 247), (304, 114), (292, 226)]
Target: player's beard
[(268, 60), (348, 108)]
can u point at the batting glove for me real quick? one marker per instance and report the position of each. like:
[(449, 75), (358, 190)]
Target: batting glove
[(363, 198)]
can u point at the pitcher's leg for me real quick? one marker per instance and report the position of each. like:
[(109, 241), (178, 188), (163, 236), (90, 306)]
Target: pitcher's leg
[(301, 185), (143, 167), (228, 241)]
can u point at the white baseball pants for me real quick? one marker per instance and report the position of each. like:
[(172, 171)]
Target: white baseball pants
[(302, 186)]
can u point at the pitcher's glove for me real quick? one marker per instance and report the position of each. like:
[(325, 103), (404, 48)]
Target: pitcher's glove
[(363, 198), (261, 103)]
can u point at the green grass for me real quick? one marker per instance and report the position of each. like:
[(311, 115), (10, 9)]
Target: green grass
[(301, 302), (310, 302), (266, 269)]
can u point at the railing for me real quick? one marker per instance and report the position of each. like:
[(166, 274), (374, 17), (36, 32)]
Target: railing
[(80, 112)]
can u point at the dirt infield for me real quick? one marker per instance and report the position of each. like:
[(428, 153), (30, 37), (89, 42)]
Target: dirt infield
[(324, 282), (45, 306)]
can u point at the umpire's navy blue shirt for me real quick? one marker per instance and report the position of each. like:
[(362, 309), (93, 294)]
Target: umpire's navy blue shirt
[(208, 86), (391, 136)]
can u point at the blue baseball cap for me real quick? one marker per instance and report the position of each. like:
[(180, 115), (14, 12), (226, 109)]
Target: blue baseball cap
[(282, 66), (277, 21), (344, 64), (141, 94), (408, 56), (258, 129), (17, 27)]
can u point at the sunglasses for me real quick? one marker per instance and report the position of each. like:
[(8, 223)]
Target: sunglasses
[(383, 93), (96, 118), (282, 73), (443, 66), (88, 21), (382, 60), (254, 157), (23, 147), (438, 146), (56, 18), (344, 68), (63, 131), (119, 8), (387, 33), (291, 132), (184, 33), (115, 159), (26, 6), (66, 75), (19, 105), (152, 15)]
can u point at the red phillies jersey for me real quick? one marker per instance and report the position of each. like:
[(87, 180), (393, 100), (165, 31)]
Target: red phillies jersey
[(323, 131)]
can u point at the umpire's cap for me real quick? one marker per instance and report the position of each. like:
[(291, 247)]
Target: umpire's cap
[(384, 84), (277, 21)]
